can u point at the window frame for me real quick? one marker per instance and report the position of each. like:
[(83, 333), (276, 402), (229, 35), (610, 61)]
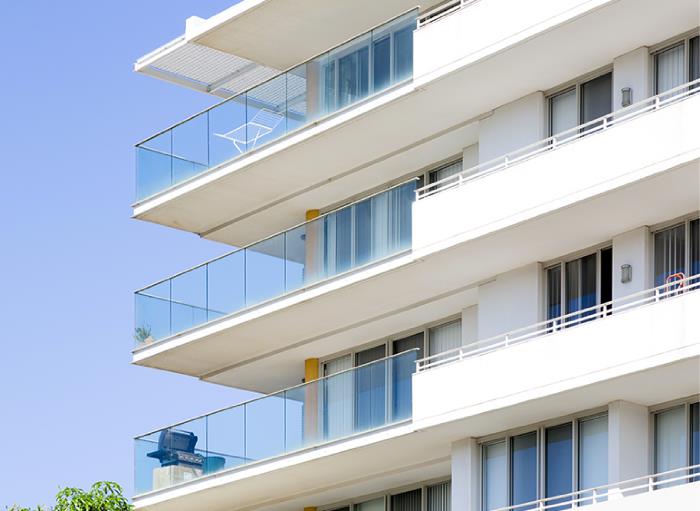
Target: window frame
[(540, 429), (575, 84), (685, 220), (654, 51), (561, 262), (684, 403)]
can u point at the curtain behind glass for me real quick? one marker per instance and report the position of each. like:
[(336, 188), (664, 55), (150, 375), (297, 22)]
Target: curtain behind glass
[(554, 292), (407, 501), (370, 388), (669, 441), (562, 112), (695, 59), (443, 172), (695, 247), (523, 462), (593, 452), (439, 497), (445, 337), (581, 285), (559, 463), (371, 505), (669, 68), (494, 476), (338, 397), (669, 253), (596, 98)]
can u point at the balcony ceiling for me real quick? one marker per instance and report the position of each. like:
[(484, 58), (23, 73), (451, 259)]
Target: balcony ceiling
[(256, 39)]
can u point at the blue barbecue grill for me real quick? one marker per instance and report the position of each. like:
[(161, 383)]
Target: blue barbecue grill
[(176, 447)]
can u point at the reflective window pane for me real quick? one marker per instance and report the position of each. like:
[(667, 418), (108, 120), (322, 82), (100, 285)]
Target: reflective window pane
[(669, 253), (559, 463), (670, 68), (562, 112), (523, 462), (494, 480), (670, 442), (596, 98), (593, 452)]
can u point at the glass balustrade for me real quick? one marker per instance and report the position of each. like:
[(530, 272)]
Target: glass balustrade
[(366, 65), (362, 399), (361, 233)]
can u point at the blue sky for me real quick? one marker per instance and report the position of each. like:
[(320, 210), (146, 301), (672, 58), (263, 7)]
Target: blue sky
[(71, 257)]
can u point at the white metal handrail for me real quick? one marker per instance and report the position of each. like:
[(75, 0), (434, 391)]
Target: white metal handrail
[(525, 153), (639, 485), (441, 11), (520, 335)]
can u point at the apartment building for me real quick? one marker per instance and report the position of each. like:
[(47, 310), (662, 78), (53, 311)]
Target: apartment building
[(465, 240)]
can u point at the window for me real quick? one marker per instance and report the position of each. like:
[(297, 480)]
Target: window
[(371, 505), (445, 171), (510, 466), (677, 64), (579, 284), (440, 497), (445, 337), (676, 440), (437, 498), (677, 252), (583, 102), (407, 501)]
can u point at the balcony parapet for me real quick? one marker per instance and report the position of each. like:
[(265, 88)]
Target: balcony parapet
[(358, 400)]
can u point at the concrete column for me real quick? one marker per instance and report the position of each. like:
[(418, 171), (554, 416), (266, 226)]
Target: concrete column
[(633, 248), (632, 70), (465, 475), (628, 441)]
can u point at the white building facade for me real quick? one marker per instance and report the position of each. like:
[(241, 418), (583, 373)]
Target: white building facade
[(465, 240)]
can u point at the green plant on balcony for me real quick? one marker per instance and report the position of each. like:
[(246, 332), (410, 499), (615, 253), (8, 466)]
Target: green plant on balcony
[(142, 334)]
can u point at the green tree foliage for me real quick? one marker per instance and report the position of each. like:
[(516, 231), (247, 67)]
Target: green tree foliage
[(103, 496)]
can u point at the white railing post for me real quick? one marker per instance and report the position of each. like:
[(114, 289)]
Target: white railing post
[(650, 483), (605, 123), (657, 102), (505, 161), (554, 142), (656, 294)]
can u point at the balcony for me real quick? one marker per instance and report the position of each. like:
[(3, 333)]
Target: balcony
[(677, 489), (359, 400), (603, 353), (335, 80), (368, 231)]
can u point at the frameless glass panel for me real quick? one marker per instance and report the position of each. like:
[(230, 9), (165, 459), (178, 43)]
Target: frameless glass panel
[(596, 98), (407, 501), (580, 286), (338, 398), (226, 440), (154, 165), (562, 112), (669, 253), (593, 452), (670, 70), (152, 313), (296, 257), (370, 389), (264, 427), (670, 444), (440, 497), (190, 147), (303, 94), (523, 463), (371, 505), (226, 285), (559, 464), (227, 130), (401, 370), (264, 269), (362, 232), (189, 299), (351, 62), (554, 292), (302, 416), (266, 112), (494, 476), (403, 49), (381, 59)]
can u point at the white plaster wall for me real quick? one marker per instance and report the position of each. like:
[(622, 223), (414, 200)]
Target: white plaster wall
[(510, 301), (597, 351), (595, 164), (632, 70), (465, 475), (633, 248), (679, 498), (470, 156), (628, 441), (486, 26), (470, 324), (512, 126)]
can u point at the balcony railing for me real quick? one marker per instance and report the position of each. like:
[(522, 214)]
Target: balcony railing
[(355, 401), (334, 80), (604, 123), (356, 235), (579, 317), (614, 491)]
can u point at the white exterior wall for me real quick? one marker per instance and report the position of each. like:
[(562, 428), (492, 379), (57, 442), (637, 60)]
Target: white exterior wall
[(633, 248), (632, 70), (470, 324), (510, 301), (470, 156), (512, 126), (465, 475), (628, 441)]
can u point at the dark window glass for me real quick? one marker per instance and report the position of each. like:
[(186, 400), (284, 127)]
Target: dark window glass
[(401, 371), (403, 53), (414, 341), (695, 435), (382, 63), (695, 247), (558, 463), (596, 98), (669, 253), (407, 501), (606, 275), (523, 459), (695, 58), (581, 286), (554, 292)]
